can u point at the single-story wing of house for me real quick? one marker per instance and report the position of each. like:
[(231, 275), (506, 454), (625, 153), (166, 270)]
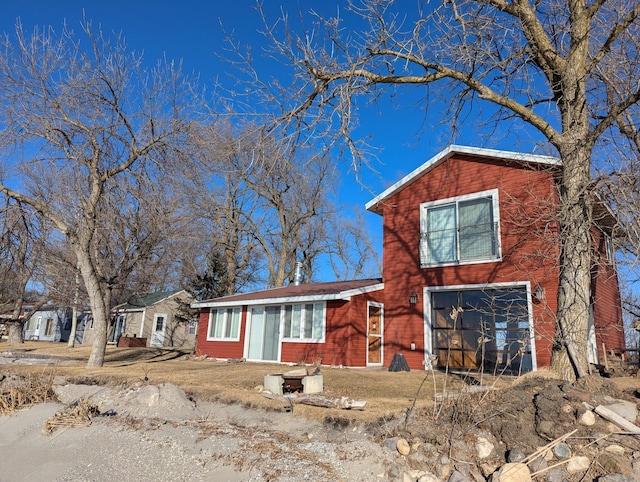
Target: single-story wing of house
[(336, 323)]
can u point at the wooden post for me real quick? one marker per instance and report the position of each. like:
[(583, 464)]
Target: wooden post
[(604, 353)]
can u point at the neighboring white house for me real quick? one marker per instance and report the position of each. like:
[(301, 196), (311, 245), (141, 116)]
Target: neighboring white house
[(49, 323)]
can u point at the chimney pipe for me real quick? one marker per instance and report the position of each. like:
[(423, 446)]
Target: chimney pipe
[(297, 274)]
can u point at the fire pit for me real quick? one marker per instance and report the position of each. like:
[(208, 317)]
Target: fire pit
[(293, 381)]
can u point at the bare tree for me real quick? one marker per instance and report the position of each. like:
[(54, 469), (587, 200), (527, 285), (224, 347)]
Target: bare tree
[(86, 112), (570, 70), (267, 202), (22, 239)]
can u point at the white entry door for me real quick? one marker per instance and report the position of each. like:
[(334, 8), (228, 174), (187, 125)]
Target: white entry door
[(159, 328)]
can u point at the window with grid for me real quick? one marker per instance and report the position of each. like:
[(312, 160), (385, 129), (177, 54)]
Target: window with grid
[(224, 324), (460, 230), (304, 321), (482, 329)]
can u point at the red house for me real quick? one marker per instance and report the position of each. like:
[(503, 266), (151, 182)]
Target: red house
[(470, 265)]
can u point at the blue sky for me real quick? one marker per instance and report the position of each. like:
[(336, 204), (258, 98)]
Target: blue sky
[(192, 31)]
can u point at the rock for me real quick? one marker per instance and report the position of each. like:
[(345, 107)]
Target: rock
[(627, 410), (391, 443), (578, 464), (458, 477), (488, 469), (429, 478), (403, 447), (512, 472), (148, 395), (617, 478), (562, 451), (483, 447), (68, 394), (587, 419), (615, 464), (554, 475), (615, 449), (516, 454)]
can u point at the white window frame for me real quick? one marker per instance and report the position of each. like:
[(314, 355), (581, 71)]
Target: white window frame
[(302, 338), (610, 251), (225, 320), (495, 205), (428, 332)]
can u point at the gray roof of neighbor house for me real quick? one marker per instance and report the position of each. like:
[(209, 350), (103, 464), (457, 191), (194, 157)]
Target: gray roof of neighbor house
[(333, 290), (139, 302)]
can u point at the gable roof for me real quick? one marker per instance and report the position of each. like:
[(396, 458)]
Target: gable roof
[(447, 153), (139, 302), (334, 290)]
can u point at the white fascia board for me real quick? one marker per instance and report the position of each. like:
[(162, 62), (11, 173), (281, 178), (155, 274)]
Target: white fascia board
[(343, 295), (454, 149)]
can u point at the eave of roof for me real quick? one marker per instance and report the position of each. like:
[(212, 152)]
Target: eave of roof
[(309, 292), (450, 151)]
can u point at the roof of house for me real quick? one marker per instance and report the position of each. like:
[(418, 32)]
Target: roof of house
[(374, 204), (334, 290), (139, 302)]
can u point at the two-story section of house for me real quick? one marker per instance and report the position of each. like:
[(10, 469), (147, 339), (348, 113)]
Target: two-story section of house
[(471, 263)]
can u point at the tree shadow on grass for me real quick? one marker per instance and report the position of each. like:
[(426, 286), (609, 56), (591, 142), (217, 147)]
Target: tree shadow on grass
[(131, 356)]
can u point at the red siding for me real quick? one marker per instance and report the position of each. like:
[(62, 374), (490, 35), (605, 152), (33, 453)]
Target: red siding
[(346, 336), (529, 249), (607, 309), (219, 349)]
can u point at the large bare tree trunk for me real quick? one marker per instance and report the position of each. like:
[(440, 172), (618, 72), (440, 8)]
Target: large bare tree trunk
[(569, 358), (99, 309)]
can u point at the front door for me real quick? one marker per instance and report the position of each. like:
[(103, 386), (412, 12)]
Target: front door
[(159, 327), (374, 335), (117, 329), (264, 334)]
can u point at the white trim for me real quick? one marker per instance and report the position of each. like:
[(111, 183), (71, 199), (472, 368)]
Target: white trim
[(247, 337), (495, 206), (288, 300), (381, 306), (224, 325), (164, 327), (144, 315), (449, 152), (428, 336), (322, 338)]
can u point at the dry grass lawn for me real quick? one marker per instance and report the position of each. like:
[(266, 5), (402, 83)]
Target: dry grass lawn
[(386, 393)]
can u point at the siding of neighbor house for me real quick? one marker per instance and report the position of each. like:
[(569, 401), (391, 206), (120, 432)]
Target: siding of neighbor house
[(176, 334), (528, 237)]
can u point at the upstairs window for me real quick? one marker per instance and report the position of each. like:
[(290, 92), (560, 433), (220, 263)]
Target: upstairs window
[(460, 230)]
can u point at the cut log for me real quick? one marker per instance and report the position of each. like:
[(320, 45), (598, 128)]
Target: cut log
[(610, 415), (316, 401)]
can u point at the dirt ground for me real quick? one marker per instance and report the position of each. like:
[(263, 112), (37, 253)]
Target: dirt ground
[(142, 430)]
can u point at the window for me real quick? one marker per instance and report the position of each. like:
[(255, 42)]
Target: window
[(224, 324), (304, 321), (48, 331), (191, 327), (608, 242), (485, 329), (463, 229)]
